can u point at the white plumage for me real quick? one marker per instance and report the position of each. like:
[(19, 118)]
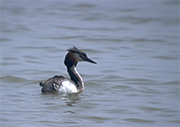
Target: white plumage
[(67, 87)]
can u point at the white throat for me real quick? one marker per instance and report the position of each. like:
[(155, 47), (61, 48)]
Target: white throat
[(75, 76)]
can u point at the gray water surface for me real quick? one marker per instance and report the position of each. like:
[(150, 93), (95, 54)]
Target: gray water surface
[(135, 45)]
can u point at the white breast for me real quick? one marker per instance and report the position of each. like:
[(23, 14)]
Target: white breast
[(68, 87)]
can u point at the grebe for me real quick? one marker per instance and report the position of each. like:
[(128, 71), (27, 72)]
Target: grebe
[(65, 85)]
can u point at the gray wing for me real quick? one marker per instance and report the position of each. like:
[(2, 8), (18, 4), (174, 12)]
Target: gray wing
[(52, 84)]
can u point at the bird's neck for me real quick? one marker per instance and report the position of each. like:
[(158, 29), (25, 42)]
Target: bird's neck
[(75, 76)]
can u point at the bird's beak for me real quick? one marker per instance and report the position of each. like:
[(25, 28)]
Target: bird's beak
[(89, 60)]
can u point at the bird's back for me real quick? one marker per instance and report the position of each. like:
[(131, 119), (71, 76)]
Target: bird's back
[(58, 84), (48, 85)]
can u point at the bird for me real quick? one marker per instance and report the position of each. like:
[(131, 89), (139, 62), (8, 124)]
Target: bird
[(62, 84)]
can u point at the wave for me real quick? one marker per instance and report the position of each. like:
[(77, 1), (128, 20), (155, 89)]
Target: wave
[(13, 79)]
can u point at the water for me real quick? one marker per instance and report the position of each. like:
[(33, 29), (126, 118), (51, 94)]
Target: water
[(136, 46)]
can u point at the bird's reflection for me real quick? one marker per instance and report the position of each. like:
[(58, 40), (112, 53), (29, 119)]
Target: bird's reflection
[(71, 99)]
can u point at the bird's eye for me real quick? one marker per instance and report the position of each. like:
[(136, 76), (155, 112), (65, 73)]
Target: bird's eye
[(82, 56)]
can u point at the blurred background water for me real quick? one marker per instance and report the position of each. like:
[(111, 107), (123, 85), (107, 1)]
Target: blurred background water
[(136, 46)]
